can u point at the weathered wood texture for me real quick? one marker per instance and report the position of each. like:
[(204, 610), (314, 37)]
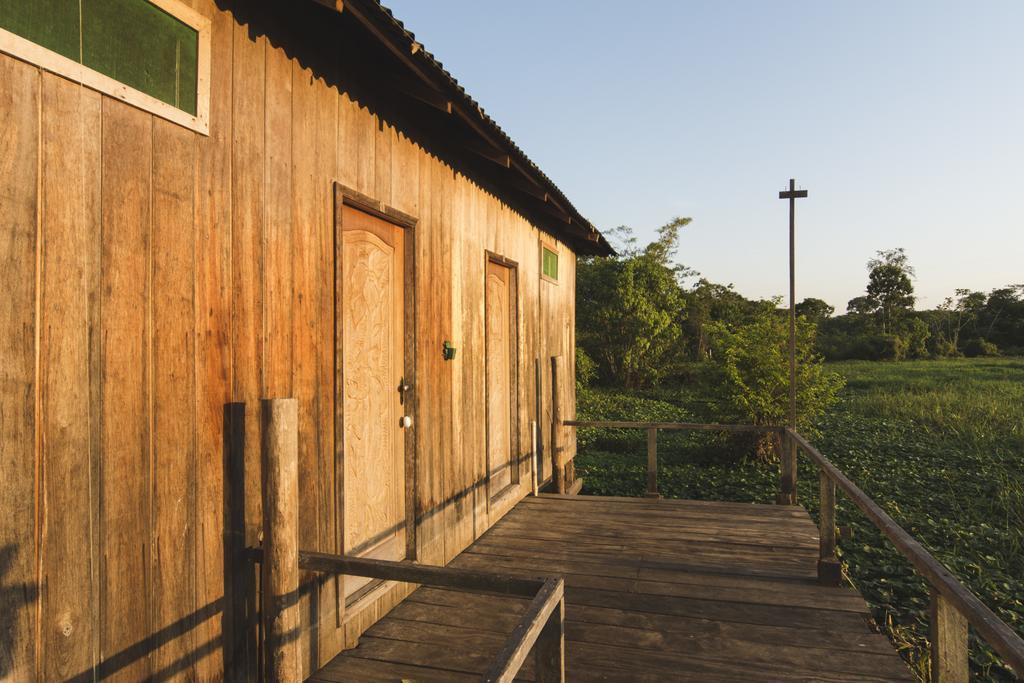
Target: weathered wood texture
[(280, 556), (152, 275), (950, 662), (652, 463), (655, 590), (540, 631), (958, 603)]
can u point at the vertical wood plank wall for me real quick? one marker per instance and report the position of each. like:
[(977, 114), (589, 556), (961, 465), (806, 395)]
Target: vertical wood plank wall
[(150, 276)]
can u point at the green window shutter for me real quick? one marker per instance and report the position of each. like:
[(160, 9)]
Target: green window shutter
[(549, 266), (142, 46), (132, 41), (54, 24)]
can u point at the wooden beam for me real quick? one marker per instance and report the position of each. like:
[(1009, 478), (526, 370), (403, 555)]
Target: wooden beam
[(280, 566), (948, 635), (525, 172), (682, 426), (515, 180), (352, 6), (546, 208), (416, 90), (487, 151), (575, 487), (787, 471), (1003, 639), (549, 650), (547, 604), (535, 437), (652, 463), (408, 572), (557, 466), (830, 572)]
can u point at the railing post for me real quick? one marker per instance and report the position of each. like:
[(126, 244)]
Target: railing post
[(557, 468), (652, 463), (535, 436), (950, 663), (830, 572), (280, 565), (549, 650), (787, 470)]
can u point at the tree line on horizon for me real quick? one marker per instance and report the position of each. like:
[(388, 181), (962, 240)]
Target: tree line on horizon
[(643, 319), (883, 324)]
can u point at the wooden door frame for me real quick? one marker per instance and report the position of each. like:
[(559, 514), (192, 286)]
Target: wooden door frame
[(514, 436), (346, 196)]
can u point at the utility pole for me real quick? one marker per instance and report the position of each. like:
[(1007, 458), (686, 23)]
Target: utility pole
[(788, 492)]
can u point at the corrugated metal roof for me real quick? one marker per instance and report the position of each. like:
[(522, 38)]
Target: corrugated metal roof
[(597, 243)]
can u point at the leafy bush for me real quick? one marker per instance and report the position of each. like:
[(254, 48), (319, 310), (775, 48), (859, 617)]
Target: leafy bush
[(629, 310), (945, 349), (976, 348), (586, 369), (890, 347), (755, 360)]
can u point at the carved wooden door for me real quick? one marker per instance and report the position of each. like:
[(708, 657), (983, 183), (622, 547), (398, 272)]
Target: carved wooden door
[(499, 304), (372, 348)]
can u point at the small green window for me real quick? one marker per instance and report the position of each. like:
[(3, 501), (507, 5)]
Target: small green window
[(131, 41), (549, 265)]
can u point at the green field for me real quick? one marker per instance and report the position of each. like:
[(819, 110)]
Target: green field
[(938, 444)]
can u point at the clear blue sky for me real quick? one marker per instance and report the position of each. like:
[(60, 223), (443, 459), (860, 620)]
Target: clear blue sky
[(904, 120)]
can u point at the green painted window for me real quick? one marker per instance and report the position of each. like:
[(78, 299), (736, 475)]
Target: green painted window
[(132, 41), (549, 264)]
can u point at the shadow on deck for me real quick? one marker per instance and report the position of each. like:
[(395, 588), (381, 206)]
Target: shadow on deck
[(656, 590)]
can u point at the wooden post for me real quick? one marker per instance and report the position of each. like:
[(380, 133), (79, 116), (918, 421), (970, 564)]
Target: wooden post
[(652, 463), (557, 469), (280, 567), (549, 650), (787, 471), (830, 572), (949, 642), (539, 410), (534, 434)]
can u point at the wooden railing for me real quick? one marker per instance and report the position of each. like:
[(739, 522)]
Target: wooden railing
[(954, 606), (652, 429), (540, 629)]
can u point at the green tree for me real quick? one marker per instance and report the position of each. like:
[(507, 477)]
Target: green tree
[(708, 302), (630, 307), (859, 305), (1001, 320), (755, 362), (915, 333), (961, 312), (815, 310), (890, 292)]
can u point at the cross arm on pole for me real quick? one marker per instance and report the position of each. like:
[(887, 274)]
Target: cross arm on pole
[(793, 194)]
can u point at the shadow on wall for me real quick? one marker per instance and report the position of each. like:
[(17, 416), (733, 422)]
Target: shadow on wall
[(238, 605), (23, 594)]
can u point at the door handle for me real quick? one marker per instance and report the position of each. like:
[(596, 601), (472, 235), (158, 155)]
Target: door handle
[(402, 388)]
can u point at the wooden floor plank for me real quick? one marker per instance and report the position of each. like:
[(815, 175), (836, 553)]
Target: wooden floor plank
[(593, 575), (457, 608), (655, 590)]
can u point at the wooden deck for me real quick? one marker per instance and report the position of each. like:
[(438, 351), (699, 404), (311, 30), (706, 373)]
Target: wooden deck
[(656, 590)]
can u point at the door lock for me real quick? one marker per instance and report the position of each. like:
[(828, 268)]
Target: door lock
[(402, 388)]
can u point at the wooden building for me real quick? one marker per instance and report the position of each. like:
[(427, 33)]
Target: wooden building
[(207, 203)]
